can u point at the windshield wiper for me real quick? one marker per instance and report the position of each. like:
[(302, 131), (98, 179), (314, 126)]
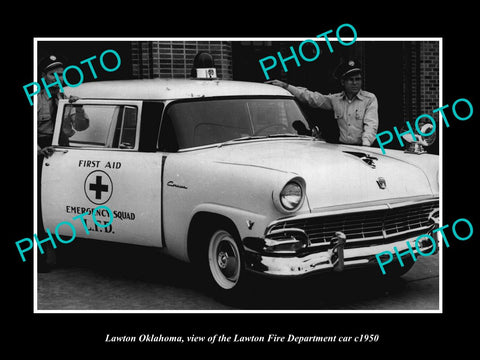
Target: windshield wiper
[(288, 135), (250, 137), (254, 137)]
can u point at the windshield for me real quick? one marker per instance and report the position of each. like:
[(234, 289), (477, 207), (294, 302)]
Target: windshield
[(205, 122)]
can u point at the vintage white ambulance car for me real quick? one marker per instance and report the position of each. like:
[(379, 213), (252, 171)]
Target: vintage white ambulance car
[(224, 174)]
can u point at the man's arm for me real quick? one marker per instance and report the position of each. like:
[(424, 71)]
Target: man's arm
[(79, 119), (370, 122), (46, 151), (312, 98)]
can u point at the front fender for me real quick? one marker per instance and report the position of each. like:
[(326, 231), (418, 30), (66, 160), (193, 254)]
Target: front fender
[(248, 223), (242, 193)]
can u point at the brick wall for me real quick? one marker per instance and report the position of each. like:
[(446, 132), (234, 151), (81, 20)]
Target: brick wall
[(429, 73), (421, 74), (174, 59)]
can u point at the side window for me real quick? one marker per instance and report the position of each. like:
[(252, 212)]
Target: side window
[(127, 127), (92, 125)]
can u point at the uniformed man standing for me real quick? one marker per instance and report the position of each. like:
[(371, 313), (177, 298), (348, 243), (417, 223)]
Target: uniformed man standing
[(355, 110), (74, 119)]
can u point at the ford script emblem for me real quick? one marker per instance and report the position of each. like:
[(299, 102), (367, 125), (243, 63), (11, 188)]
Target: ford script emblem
[(382, 184)]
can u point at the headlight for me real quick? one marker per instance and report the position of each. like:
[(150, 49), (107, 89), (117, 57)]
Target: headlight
[(291, 196)]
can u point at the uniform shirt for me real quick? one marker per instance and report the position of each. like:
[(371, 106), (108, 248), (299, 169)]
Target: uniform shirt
[(46, 118), (357, 118), (77, 119)]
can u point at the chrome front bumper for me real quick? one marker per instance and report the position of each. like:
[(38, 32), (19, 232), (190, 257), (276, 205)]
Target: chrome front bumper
[(325, 260), (290, 251)]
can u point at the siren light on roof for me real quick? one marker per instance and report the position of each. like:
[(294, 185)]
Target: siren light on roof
[(203, 67)]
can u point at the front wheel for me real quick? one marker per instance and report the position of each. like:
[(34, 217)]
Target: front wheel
[(220, 262), (224, 260)]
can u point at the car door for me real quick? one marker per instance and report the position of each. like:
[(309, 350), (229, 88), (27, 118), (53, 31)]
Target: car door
[(97, 165)]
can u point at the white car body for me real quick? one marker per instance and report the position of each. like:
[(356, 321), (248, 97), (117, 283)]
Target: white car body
[(163, 198)]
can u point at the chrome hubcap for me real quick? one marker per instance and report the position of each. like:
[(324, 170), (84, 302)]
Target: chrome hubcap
[(224, 259)]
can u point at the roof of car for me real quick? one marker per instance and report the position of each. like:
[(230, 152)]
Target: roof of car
[(166, 89)]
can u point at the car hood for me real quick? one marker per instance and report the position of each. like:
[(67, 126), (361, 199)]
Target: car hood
[(334, 174)]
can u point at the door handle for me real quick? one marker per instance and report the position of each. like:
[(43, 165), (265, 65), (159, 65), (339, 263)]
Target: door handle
[(57, 150)]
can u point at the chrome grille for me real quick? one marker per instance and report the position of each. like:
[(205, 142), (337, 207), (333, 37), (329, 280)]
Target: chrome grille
[(376, 226)]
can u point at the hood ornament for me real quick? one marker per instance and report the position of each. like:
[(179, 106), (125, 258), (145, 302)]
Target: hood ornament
[(366, 158), (382, 184)]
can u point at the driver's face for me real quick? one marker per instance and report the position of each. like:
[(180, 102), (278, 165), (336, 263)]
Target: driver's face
[(49, 77)]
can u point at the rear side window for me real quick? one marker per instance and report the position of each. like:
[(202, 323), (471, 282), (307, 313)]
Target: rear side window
[(95, 125)]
